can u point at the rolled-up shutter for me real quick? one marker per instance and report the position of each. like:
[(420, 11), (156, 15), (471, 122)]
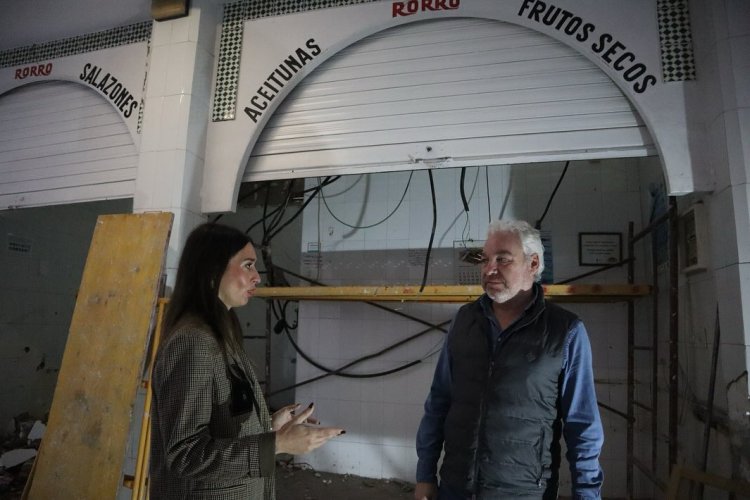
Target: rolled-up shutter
[(449, 92), (61, 142)]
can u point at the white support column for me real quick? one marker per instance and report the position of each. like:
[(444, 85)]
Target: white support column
[(175, 119), (727, 116)]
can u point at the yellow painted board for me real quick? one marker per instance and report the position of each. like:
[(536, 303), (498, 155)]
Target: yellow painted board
[(83, 449), (445, 293)]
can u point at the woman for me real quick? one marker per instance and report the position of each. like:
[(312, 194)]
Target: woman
[(212, 435)]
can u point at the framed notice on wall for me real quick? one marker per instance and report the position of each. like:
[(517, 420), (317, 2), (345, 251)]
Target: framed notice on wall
[(599, 249)]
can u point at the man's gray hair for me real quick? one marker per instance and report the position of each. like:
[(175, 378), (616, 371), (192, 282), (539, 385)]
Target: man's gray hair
[(531, 240)]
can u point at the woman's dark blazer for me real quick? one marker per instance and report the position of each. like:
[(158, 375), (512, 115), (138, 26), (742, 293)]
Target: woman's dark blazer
[(209, 440)]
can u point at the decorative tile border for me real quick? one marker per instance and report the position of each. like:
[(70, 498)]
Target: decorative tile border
[(230, 44), (123, 35), (675, 36)]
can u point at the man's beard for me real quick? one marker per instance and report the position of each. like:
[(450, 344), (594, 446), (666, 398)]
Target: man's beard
[(501, 296), (504, 294)]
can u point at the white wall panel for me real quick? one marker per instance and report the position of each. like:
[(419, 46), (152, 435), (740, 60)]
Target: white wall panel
[(474, 91), (61, 142)]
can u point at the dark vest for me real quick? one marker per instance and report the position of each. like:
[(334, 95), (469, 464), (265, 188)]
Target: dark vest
[(503, 429)]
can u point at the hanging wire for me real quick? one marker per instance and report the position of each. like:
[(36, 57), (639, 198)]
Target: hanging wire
[(264, 219), (302, 207), (487, 186), (340, 371), (538, 224), (463, 192), (466, 231), (406, 189), (432, 233)]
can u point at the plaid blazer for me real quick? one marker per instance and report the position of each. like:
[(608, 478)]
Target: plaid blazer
[(211, 433)]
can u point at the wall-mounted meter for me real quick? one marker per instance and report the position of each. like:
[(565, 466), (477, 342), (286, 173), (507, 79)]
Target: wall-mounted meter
[(693, 238)]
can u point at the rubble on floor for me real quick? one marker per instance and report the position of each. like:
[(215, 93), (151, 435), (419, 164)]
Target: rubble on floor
[(17, 451), (299, 481)]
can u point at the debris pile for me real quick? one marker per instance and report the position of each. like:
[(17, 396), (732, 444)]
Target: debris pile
[(303, 482), (18, 447)]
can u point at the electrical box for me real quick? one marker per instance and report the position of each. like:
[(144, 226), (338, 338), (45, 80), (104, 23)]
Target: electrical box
[(466, 269), (693, 239)]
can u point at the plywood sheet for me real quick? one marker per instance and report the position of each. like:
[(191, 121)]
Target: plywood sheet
[(83, 450)]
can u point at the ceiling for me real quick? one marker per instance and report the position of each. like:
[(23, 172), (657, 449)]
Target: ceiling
[(25, 22)]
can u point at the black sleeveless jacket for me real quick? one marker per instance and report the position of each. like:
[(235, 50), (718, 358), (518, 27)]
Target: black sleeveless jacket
[(503, 428)]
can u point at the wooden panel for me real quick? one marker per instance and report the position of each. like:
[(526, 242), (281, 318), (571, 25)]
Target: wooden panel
[(449, 293), (83, 450)]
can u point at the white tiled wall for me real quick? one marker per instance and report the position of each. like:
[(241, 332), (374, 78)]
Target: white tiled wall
[(381, 415)]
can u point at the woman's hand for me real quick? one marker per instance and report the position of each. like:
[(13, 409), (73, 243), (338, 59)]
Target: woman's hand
[(285, 414), (296, 437), (282, 416)]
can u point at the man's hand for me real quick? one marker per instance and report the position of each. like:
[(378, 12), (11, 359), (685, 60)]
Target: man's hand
[(425, 491)]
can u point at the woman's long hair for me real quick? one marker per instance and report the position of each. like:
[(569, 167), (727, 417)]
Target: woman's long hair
[(204, 259)]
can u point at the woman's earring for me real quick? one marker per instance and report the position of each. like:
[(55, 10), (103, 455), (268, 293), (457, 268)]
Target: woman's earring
[(213, 284)]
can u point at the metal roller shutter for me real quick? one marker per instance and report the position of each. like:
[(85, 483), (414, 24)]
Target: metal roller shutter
[(62, 143), (449, 92)]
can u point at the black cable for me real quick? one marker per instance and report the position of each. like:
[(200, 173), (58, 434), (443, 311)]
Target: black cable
[(259, 221), (538, 224), (339, 371), (432, 234), (487, 187), (374, 304), (463, 192), (280, 214), (326, 181), (283, 311), (315, 379), (265, 211), (281, 322), (406, 189), (296, 214)]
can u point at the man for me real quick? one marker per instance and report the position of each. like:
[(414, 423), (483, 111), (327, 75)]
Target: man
[(514, 374)]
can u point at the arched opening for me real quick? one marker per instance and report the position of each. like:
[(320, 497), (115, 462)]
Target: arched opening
[(385, 114), (66, 157), (61, 142)]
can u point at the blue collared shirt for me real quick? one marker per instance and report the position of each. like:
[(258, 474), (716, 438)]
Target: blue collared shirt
[(582, 428)]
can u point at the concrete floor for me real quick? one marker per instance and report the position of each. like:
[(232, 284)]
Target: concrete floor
[(294, 483)]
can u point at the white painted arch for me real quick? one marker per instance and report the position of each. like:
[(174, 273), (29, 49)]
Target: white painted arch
[(628, 26), (116, 74)]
